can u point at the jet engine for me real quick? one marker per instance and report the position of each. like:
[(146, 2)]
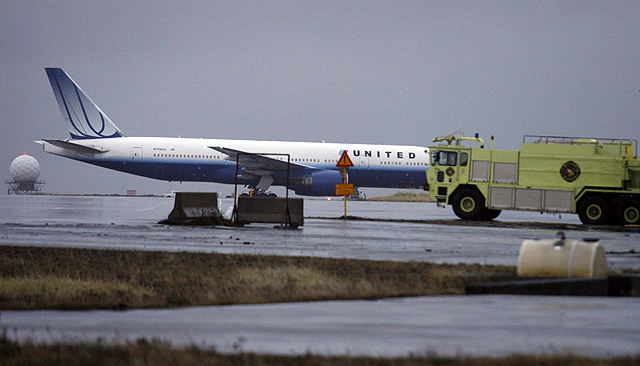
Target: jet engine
[(320, 184)]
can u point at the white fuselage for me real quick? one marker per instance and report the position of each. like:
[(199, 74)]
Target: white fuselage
[(189, 159)]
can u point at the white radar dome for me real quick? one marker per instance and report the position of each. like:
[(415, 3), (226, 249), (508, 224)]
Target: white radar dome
[(25, 168)]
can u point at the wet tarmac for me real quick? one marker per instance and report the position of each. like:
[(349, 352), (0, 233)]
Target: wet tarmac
[(446, 325), (401, 231)]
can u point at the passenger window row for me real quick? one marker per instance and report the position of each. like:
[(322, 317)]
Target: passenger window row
[(187, 156)]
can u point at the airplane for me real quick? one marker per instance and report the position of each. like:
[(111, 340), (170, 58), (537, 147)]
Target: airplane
[(308, 167)]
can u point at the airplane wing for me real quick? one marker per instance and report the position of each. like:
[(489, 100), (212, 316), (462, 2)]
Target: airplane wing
[(82, 149), (260, 162), (262, 165)]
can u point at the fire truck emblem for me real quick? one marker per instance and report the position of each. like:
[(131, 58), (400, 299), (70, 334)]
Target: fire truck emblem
[(450, 171), (570, 171)]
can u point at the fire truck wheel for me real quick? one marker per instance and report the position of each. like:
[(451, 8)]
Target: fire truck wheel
[(593, 210), (468, 204), (629, 213), (490, 214)]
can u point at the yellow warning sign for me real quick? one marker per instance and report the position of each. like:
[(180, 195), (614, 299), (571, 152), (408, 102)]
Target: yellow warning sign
[(345, 161), (344, 189)]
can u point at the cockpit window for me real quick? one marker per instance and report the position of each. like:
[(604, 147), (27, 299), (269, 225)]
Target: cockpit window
[(464, 158)]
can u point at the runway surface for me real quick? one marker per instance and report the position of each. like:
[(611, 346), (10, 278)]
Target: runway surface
[(131, 223), (446, 325), (478, 325)]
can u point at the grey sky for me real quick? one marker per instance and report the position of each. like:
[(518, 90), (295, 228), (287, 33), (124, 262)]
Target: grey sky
[(393, 72)]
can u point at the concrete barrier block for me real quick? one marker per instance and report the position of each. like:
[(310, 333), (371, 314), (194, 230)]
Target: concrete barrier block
[(270, 210), (194, 205), (624, 285), (555, 287), (618, 285)]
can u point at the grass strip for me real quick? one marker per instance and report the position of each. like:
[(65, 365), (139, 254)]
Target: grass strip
[(403, 197), (71, 278), (158, 353)]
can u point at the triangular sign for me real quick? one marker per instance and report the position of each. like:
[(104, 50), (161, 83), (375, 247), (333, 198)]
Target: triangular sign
[(344, 161)]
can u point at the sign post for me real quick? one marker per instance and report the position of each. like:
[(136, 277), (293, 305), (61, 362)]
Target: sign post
[(345, 189)]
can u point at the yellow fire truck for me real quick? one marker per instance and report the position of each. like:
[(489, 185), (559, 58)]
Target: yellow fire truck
[(599, 179)]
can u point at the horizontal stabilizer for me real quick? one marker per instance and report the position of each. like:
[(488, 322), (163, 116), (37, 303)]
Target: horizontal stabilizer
[(76, 147)]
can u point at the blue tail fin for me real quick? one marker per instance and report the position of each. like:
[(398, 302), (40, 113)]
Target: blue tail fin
[(85, 119)]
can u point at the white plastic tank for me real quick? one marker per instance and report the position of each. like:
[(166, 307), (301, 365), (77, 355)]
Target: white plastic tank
[(562, 258)]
